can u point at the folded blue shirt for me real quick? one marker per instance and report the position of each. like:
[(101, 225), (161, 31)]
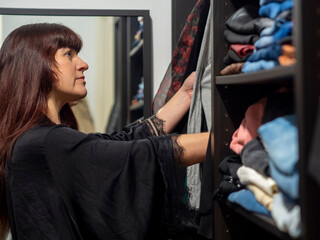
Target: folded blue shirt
[(287, 184), (248, 201), (284, 31), (259, 65), (273, 9), (264, 2), (274, 28), (269, 53), (280, 139)]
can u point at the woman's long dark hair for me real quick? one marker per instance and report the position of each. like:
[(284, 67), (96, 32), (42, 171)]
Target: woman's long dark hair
[(27, 58)]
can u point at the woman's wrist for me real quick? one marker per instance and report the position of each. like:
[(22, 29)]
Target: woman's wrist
[(174, 110)]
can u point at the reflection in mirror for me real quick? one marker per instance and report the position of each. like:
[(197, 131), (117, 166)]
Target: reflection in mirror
[(111, 102)]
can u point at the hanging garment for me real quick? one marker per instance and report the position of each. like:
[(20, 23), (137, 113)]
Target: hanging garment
[(193, 58), (201, 99), (174, 75), (196, 46), (206, 198), (64, 184)]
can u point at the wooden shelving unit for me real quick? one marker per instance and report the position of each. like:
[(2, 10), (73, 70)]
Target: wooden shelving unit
[(231, 95)]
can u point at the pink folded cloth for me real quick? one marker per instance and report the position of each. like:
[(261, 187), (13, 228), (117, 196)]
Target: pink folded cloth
[(242, 50), (248, 127)]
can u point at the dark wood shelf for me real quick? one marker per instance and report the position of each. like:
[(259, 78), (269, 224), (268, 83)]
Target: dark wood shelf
[(278, 75)]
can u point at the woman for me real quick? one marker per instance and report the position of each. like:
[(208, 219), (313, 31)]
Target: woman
[(59, 183)]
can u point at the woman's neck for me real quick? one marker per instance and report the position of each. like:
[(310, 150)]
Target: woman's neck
[(53, 111)]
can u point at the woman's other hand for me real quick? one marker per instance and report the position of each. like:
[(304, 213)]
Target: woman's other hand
[(174, 110), (187, 86)]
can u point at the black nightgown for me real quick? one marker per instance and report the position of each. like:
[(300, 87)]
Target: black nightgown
[(64, 184)]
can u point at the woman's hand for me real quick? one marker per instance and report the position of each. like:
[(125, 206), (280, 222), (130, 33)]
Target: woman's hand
[(174, 110), (187, 86)]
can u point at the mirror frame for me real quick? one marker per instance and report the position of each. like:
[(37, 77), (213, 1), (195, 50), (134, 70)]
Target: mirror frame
[(147, 50)]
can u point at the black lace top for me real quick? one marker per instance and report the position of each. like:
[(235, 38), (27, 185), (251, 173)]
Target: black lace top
[(64, 184)]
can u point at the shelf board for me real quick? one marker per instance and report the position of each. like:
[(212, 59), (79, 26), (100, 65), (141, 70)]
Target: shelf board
[(134, 50), (263, 221), (278, 75)]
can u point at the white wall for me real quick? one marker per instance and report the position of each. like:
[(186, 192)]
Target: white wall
[(160, 12)]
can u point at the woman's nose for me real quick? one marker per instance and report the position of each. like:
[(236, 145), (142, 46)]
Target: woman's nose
[(82, 65)]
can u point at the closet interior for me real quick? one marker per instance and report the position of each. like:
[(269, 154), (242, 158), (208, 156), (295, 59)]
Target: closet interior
[(231, 97)]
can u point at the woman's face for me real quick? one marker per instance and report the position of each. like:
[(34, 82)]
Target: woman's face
[(71, 81)]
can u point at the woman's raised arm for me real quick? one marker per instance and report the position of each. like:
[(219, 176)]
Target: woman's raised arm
[(174, 110)]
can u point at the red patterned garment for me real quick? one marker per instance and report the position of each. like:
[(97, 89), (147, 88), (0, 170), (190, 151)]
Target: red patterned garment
[(175, 73)]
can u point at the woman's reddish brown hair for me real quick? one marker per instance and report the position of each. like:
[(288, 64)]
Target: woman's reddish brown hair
[(27, 58)]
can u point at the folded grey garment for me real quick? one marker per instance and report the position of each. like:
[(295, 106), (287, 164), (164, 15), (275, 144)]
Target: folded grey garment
[(262, 23), (242, 21), (236, 38), (233, 57), (254, 155)]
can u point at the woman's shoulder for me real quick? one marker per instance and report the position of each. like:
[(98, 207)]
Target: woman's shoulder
[(37, 135), (29, 144)]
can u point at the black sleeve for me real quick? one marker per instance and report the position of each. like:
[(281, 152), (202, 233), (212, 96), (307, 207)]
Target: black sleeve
[(151, 126), (112, 188)]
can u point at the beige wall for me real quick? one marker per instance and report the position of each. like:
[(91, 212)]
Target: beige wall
[(104, 87)]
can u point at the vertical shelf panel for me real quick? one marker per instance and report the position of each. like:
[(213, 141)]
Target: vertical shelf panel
[(307, 28), (221, 122)]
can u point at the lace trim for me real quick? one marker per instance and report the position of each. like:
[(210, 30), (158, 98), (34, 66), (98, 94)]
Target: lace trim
[(177, 150), (156, 125)]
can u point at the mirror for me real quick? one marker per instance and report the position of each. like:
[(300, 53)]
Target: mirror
[(116, 46)]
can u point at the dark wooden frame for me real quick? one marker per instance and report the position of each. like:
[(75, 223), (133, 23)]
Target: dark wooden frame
[(147, 47)]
